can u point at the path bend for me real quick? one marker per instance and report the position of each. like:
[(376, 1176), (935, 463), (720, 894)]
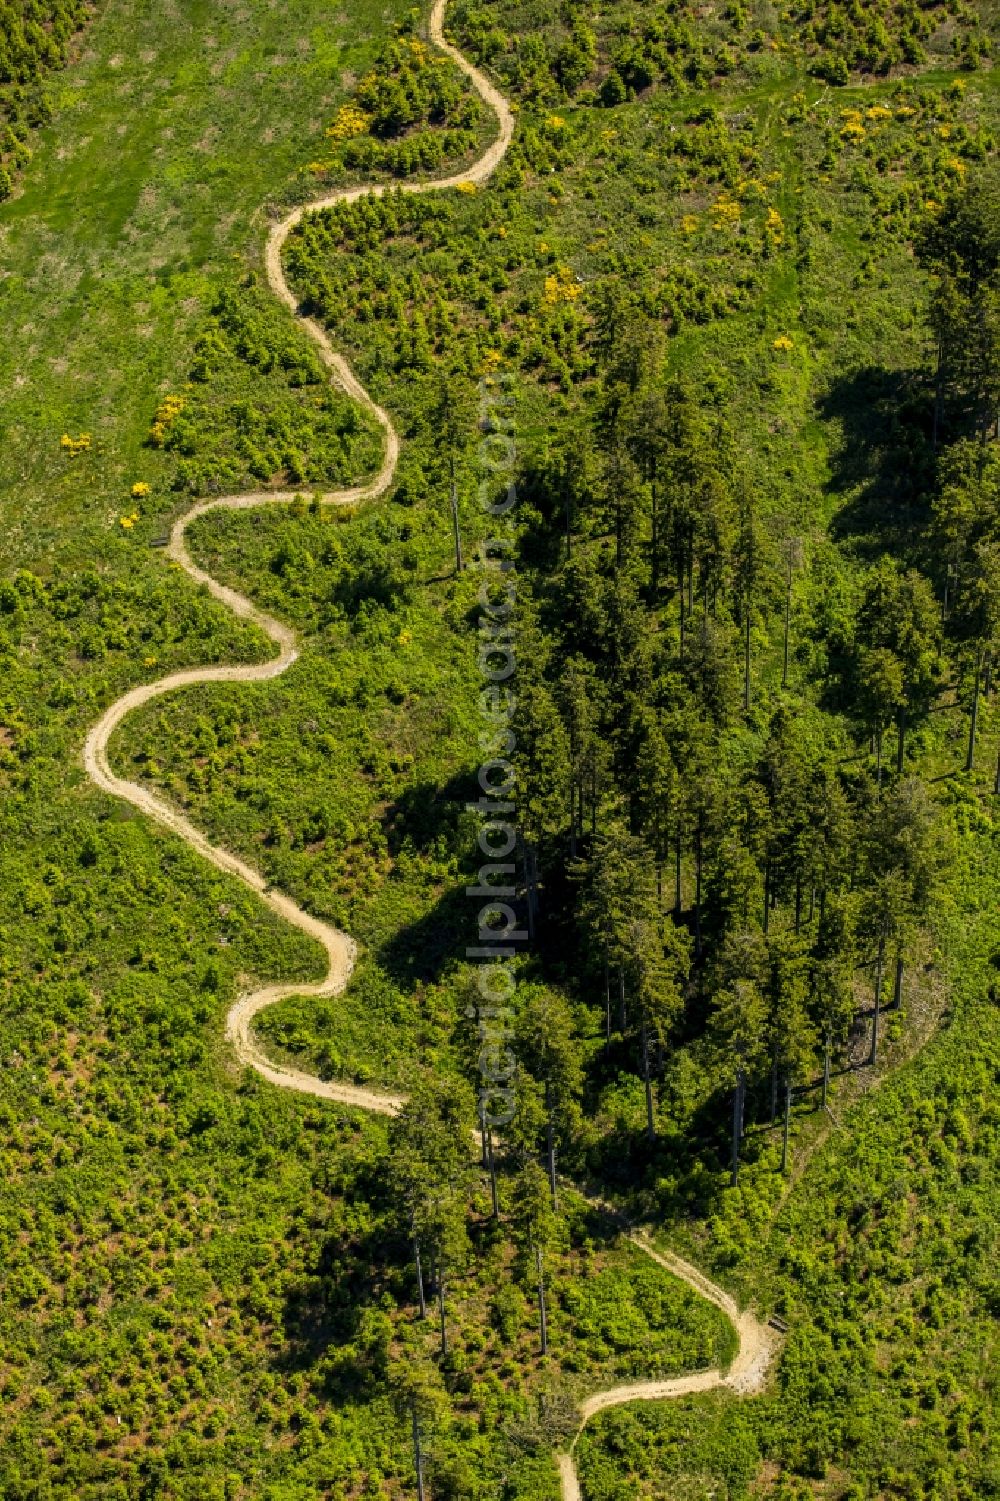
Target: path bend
[(756, 1345), (340, 949), (746, 1376)]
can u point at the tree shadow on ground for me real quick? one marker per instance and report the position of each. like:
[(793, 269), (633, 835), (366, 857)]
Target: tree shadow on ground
[(433, 820), (421, 951), (430, 816), (334, 1304), (883, 468)]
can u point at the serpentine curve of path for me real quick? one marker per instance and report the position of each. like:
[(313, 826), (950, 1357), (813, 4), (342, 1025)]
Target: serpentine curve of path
[(756, 1346), (339, 948), (745, 1377)]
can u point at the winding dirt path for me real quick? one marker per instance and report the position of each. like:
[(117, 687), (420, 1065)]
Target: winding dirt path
[(756, 1343), (339, 948), (746, 1376)]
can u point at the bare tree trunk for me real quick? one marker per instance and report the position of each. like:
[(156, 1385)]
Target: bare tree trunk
[(650, 1125), (938, 393), (897, 989), (774, 1085), (543, 1320), (551, 1143), (984, 405), (826, 1069), (572, 820), (788, 621), (418, 1457), (654, 561), (494, 1193), (878, 758), (737, 1127), (873, 1058), (444, 1327), (454, 522), (747, 626), (697, 888), (420, 1278), (788, 1116), (531, 886), (970, 754)]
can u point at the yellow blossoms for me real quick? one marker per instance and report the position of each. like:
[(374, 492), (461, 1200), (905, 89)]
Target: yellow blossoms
[(561, 286), (167, 412), (73, 446), (726, 213), (349, 121)]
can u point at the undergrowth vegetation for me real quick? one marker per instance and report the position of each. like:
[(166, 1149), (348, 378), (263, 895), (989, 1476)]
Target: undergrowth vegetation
[(548, 54), (734, 267), (301, 432), (413, 112), (35, 41)]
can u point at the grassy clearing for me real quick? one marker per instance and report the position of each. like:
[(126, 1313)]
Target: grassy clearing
[(149, 192), (202, 1280), (168, 1239)]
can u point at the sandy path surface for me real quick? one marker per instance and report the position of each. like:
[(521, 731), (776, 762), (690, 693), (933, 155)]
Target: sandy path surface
[(746, 1376), (757, 1344), (339, 948)]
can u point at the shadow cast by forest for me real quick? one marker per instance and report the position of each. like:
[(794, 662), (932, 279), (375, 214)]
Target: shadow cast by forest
[(883, 466)]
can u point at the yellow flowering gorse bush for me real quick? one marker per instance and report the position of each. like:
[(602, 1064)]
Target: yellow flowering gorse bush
[(349, 121), (561, 286), (167, 413), (726, 213)]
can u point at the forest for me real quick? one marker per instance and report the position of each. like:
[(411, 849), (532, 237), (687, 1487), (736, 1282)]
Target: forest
[(737, 282), (35, 39)]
